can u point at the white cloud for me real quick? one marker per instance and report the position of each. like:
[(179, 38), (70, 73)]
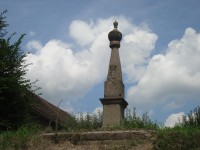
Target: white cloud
[(136, 50), (82, 32), (174, 119), (62, 73), (34, 45), (171, 78), (67, 74)]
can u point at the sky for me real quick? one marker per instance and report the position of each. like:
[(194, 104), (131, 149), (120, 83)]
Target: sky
[(69, 51)]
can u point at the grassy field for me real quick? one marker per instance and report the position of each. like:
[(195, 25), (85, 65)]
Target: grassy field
[(184, 136)]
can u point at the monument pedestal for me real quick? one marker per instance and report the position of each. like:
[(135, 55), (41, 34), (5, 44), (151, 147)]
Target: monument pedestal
[(113, 111)]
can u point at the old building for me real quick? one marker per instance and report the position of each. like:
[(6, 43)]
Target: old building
[(46, 114)]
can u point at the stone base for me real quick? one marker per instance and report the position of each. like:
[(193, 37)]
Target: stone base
[(113, 111)]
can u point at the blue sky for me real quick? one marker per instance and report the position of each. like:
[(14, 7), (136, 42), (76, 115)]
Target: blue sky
[(70, 51)]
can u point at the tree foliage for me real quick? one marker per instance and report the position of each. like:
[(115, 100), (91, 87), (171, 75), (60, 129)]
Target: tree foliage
[(14, 88)]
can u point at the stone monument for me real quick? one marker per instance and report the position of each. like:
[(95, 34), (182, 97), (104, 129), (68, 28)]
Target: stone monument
[(113, 101)]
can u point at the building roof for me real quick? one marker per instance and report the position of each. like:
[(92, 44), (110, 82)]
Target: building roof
[(48, 111)]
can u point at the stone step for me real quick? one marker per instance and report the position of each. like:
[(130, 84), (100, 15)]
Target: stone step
[(102, 137)]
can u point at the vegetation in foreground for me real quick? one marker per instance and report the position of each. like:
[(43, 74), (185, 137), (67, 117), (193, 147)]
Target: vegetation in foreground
[(177, 138), (87, 122), (15, 89), (20, 138), (132, 121), (184, 136)]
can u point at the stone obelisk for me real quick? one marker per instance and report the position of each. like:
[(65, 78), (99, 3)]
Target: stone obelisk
[(113, 101)]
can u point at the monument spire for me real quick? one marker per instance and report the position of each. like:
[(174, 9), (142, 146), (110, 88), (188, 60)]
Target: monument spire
[(113, 101), (114, 86)]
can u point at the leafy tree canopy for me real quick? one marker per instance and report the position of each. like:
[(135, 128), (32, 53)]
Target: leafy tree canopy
[(15, 89)]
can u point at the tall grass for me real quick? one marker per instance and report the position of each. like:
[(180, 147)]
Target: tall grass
[(17, 139), (193, 118), (184, 136), (132, 121), (84, 122), (177, 138), (88, 122)]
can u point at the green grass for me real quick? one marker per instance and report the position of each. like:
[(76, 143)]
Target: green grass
[(185, 136), (17, 139), (132, 121), (94, 122), (84, 123), (177, 138)]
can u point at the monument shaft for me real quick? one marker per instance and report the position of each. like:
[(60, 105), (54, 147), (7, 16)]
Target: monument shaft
[(114, 86)]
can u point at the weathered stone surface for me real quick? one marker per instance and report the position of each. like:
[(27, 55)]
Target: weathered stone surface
[(102, 135), (113, 111), (129, 139), (113, 86), (113, 101)]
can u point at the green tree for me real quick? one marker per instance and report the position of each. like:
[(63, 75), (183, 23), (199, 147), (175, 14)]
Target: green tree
[(14, 88)]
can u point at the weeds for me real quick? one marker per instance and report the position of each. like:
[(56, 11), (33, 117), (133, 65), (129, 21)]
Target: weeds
[(17, 139), (85, 122), (88, 122), (133, 121), (193, 118), (184, 136), (179, 137)]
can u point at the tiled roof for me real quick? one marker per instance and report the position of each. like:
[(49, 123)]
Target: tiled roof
[(48, 111)]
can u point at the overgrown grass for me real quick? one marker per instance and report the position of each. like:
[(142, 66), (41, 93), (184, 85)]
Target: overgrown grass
[(88, 122), (177, 138), (185, 136), (192, 119), (21, 138), (84, 122), (132, 121), (17, 139)]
